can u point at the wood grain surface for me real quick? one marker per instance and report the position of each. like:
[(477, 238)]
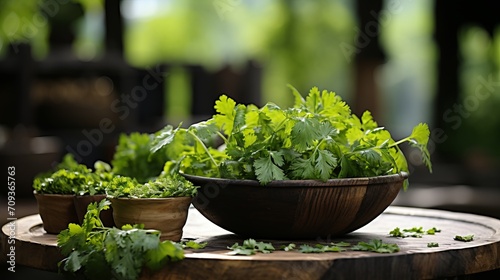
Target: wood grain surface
[(37, 249)]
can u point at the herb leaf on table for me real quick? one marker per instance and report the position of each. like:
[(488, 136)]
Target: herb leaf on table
[(97, 252), (376, 246)]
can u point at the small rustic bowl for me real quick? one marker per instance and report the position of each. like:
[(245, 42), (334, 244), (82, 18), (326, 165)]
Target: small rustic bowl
[(57, 211), (168, 215), (295, 209)]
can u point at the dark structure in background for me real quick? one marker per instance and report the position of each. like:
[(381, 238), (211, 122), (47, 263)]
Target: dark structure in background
[(368, 59), (88, 103), (448, 22)]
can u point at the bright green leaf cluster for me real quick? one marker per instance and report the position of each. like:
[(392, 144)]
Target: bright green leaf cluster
[(432, 244), (97, 252), (190, 244), (133, 157), (161, 187), (417, 232), (287, 248), (319, 248), (318, 138), (71, 177), (376, 246), (250, 247), (464, 238)]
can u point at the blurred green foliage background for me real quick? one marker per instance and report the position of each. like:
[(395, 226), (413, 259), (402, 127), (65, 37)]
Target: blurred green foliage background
[(296, 42)]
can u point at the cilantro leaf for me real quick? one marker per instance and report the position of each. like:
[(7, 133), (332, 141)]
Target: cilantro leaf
[(325, 164), (417, 232), (304, 133), (267, 171), (225, 108), (319, 248), (193, 245), (376, 246), (251, 247), (289, 247), (464, 238), (432, 231)]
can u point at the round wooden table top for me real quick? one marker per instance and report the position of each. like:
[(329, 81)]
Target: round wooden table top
[(37, 249)]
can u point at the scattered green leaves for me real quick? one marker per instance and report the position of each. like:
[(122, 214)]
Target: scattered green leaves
[(289, 247), (250, 247), (319, 248), (432, 231), (416, 232), (318, 138), (376, 246), (464, 238), (190, 244), (432, 244), (97, 252)]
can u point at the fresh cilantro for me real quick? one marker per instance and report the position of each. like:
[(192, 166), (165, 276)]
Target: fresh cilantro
[(133, 157), (432, 231), (414, 232), (464, 238), (319, 248), (397, 233), (317, 138), (164, 186), (289, 247), (193, 244), (417, 232), (376, 246), (70, 177), (432, 244), (96, 252), (250, 247)]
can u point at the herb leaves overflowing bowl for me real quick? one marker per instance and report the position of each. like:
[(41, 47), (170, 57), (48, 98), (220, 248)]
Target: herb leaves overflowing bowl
[(311, 170)]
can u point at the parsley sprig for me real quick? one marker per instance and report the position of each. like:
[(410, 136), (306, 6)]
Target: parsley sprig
[(317, 138), (97, 252), (251, 247)]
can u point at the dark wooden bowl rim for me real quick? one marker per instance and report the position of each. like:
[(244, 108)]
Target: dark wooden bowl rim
[(301, 183)]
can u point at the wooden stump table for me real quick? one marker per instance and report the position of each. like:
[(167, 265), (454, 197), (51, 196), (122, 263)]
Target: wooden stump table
[(37, 249)]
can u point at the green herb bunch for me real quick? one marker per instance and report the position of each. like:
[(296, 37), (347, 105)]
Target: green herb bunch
[(317, 138), (161, 187), (97, 252), (70, 177), (133, 157)]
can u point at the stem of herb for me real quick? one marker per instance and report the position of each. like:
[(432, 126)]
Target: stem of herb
[(204, 148)]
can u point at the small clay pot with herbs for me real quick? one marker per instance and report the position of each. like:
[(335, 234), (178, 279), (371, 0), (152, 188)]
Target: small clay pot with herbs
[(64, 194), (160, 204)]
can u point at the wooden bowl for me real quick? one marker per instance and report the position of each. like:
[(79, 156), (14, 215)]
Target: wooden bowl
[(167, 215), (57, 211), (295, 209)]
